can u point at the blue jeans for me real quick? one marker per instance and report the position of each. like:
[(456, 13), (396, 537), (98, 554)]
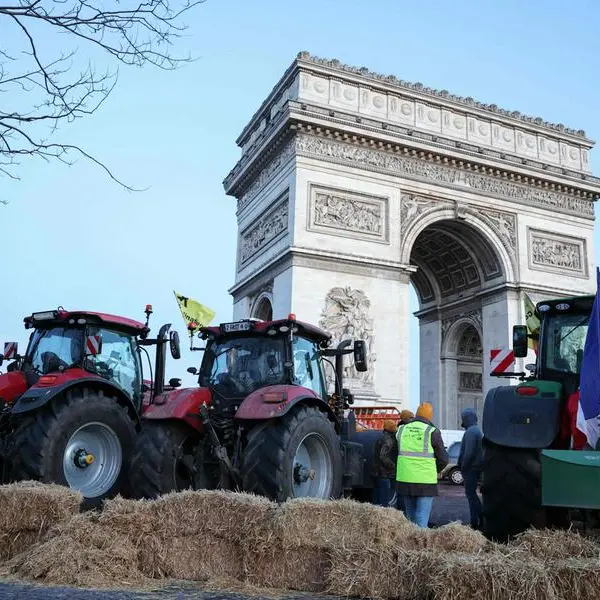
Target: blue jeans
[(417, 509), (385, 491), (471, 482)]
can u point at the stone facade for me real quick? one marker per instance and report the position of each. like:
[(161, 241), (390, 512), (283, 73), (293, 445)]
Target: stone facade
[(351, 186)]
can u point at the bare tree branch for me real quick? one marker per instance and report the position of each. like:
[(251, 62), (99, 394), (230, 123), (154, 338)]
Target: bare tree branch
[(40, 89)]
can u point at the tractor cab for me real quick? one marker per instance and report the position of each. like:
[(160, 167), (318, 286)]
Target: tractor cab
[(68, 345)]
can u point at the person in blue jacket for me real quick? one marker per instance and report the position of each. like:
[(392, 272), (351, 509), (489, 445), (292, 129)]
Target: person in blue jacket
[(470, 463)]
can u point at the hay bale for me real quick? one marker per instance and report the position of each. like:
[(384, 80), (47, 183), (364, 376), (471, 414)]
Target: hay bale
[(202, 513), (13, 544), (380, 573), (190, 558), (546, 544), (35, 506), (576, 578), (313, 523), (453, 537), (302, 569), (80, 553), (489, 576)]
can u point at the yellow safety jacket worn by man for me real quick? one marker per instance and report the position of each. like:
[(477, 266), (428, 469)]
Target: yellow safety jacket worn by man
[(421, 455)]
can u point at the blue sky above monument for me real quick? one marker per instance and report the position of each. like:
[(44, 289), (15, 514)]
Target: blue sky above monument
[(72, 237)]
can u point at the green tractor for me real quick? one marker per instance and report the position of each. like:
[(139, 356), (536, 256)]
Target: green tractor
[(532, 475)]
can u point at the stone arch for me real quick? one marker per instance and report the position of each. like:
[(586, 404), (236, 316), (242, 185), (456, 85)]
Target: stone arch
[(263, 307), (503, 246), (455, 334)]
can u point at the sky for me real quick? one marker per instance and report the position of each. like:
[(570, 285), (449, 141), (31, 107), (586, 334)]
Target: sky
[(72, 237)]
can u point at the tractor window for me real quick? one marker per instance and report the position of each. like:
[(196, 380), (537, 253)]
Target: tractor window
[(241, 365), (51, 349), (307, 365), (565, 338), (119, 362)]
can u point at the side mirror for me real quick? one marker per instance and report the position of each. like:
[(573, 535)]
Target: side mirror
[(520, 341), (1, 359), (360, 355), (93, 345), (347, 396), (175, 345), (192, 370), (175, 382)]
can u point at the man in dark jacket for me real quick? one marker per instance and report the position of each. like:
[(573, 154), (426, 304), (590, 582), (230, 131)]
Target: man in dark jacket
[(385, 454), (470, 463), (421, 456)]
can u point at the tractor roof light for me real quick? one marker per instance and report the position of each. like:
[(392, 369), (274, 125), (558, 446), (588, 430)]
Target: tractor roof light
[(291, 317), (47, 315), (148, 309)]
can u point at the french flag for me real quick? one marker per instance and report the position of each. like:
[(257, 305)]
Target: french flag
[(588, 412)]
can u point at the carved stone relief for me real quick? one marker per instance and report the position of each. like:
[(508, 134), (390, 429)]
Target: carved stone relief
[(362, 157), (504, 224), (349, 214), (269, 227), (469, 381), (413, 207), (551, 252), (347, 315)]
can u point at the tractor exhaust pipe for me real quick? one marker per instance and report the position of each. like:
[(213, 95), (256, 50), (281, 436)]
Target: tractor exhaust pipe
[(161, 359)]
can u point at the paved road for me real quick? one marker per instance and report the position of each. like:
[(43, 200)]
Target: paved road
[(450, 505)]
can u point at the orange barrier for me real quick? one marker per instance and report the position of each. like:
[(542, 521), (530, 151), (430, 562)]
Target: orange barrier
[(372, 417)]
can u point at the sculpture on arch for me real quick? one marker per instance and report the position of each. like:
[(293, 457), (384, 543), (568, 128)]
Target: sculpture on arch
[(347, 316)]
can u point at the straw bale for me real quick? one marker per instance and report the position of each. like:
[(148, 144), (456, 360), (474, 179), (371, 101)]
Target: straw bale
[(575, 579), (80, 553), (35, 506), (452, 537), (231, 515), (314, 523), (490, 576), (12, 544), (190, 558), (547, 544), (302, 569), (380, 573)]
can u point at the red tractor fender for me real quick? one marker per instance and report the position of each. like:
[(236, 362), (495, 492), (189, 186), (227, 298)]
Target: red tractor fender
[(12, 385), (275, 401), (51, 385), (180, 404)]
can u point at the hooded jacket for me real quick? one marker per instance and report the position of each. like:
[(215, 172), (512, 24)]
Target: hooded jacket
[(471, 450), (385, 454)]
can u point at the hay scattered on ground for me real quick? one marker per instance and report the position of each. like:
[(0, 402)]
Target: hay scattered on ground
[(301, 569), (312, 523), (575, 579), (380, 574), (34, 506), (190, 558), (554, 545), (80, 553), (489, 576)]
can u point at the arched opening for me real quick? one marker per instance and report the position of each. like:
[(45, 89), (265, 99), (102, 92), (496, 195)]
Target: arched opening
[(456, 266), (263, 310)]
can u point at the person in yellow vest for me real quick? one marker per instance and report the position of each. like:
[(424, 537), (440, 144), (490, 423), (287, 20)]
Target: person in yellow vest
[(421, 456)]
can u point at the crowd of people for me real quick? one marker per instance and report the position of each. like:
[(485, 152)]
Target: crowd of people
[(409, 455)]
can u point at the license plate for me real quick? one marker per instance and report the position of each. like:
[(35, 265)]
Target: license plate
[(233, 327)]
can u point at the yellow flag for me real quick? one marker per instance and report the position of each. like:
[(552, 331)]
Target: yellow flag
[(194, 312), (532, 322)]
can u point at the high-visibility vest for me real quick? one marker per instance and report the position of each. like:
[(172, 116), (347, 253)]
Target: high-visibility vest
[(416, 459)]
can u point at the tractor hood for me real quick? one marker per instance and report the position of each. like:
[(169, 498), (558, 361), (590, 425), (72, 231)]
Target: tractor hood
[(12, 386)]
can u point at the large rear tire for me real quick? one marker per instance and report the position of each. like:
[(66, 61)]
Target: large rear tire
[(82, 440), (283, 454), (511, 491), (165, 459)]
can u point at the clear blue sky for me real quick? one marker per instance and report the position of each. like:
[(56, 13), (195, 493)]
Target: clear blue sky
[(70, 236)]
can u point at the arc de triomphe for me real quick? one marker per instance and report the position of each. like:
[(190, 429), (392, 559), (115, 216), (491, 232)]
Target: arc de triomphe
[(353, 185)]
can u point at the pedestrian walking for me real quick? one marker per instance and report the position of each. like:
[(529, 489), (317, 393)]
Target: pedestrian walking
[(470, 463), (421, 456), (385, 454)]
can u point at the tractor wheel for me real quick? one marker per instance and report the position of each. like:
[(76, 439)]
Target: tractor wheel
[(295, 456), (82, 440), (511, 491), (165, 460)]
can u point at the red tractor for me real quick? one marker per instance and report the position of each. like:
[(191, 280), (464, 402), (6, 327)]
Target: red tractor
[(71, 405), (261, 420)]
